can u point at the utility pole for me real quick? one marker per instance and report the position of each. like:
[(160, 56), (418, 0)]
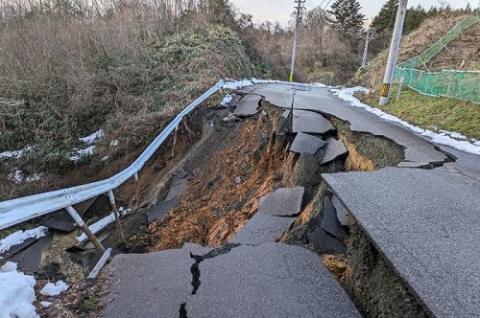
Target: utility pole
[(393, 54), (365, 52), (299, 8)]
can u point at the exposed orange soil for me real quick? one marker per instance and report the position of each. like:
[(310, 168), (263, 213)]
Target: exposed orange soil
[(337, 265), (356, 161), (215, 207)]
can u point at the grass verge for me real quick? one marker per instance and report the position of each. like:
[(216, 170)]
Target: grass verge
[(434, 113)]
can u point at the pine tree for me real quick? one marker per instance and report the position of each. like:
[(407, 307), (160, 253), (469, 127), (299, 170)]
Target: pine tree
[(384, 21), (414, 18), (346, 16)]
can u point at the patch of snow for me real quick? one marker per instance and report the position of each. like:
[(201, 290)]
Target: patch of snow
[(15, 154), (54, 289), (17, 293), (447, 138), (93, 138), (45, 304), (105, 158), (20, 236), (114, 143), (8, 267), (18, 176), (79, 153), (33, 178), (237, 84), (226, 100), (102, 223)]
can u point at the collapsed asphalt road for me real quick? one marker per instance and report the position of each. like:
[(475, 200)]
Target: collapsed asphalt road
[(306, 208), (416, 216)]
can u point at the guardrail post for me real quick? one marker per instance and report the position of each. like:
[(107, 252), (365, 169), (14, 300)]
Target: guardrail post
[(137, 190), (174, 141), (78, 219), (118, 224)]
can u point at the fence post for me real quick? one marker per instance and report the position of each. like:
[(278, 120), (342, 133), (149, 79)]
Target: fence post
[(400, 86)]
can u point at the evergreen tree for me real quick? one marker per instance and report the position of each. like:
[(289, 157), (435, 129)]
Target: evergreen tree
[(346, 16), (414, 18), (384, 21)]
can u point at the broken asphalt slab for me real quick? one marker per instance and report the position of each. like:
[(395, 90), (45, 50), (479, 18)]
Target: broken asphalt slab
[(60, 221), (177, 187), (304, 143), (263, 228), (305, 121), (248, 106), (330, 223), (333, 150), (282, 202), (161, 209), (149, 285), (425, 223), (269, 280), (322, 242), (30, 258), (418, 151)]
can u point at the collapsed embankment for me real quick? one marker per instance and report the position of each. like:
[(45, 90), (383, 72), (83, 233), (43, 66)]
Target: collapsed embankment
[(206, 185)]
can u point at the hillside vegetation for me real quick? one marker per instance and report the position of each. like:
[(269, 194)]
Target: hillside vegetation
[(64, 75)]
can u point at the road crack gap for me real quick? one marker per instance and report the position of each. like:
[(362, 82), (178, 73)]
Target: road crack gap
[(195, 268), (183, 311)]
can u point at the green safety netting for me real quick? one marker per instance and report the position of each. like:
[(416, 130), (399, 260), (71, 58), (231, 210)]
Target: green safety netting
[(464, 85)]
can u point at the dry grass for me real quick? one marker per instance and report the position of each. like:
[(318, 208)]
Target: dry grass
[(67, 71)]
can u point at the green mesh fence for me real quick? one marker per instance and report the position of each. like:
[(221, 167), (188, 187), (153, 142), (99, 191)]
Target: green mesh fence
[(463, 85)]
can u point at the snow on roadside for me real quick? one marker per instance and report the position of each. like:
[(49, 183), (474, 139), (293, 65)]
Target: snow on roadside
[(446, 138), (20, 236), (102, 223), (17, 293), (237, 84), (54, 289)]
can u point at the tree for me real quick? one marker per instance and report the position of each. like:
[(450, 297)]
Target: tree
[(384, 21), (346, 17), (414, 18)]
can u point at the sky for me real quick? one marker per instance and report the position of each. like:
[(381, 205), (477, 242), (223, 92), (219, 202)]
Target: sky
[(280, 10)]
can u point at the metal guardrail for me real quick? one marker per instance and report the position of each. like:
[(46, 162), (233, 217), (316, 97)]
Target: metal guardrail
[(19, 210)]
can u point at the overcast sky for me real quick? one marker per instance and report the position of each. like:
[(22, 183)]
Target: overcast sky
[(279, 10)]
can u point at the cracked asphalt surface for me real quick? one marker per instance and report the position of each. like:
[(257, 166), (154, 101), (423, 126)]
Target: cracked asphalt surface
[(424, 221)]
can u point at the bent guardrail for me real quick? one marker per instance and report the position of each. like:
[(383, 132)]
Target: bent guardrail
[(23, 209)]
